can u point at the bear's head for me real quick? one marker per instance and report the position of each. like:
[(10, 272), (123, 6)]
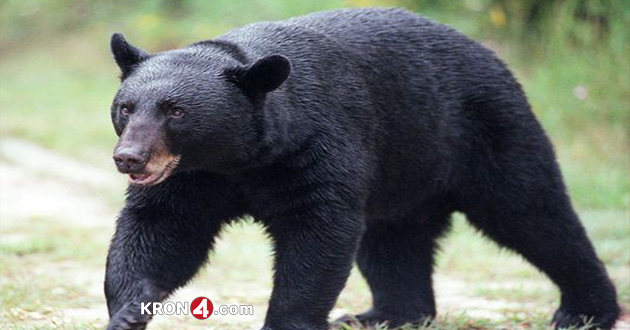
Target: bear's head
[(197, 108)]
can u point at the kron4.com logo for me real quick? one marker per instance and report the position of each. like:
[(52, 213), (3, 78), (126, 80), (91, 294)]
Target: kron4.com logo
[(201, 308)]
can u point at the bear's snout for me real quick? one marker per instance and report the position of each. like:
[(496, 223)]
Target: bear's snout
[(130, 160)]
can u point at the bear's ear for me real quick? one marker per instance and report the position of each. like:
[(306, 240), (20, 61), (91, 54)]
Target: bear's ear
[(126, 55), (264, 76)]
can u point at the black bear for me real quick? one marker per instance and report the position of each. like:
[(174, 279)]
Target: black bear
[(351, 135)]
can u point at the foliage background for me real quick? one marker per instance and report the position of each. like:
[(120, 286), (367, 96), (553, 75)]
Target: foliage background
[(571, 56)]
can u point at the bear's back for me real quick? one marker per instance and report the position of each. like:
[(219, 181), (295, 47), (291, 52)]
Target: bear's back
[(363, 28), (407, 94)]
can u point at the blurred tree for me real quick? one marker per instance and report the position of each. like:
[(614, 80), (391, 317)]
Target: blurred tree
[(176, 8)]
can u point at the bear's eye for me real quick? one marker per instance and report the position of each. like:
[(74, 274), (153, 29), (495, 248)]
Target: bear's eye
[(177, 113), (125, 110)]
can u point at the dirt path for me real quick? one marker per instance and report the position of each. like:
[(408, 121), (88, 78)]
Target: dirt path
[(36, 183)]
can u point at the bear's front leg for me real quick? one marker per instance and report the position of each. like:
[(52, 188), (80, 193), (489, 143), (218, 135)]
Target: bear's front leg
[(314, 252), (162, 237)]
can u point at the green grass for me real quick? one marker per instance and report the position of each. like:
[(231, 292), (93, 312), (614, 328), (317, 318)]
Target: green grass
[(52, 326), (60, 98), (36, 237), (37, 261), (459, 322)]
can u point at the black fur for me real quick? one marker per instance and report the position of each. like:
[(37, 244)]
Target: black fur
[(351, 135)]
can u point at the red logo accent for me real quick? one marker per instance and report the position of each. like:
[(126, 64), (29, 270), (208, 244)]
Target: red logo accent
[(201, 308)]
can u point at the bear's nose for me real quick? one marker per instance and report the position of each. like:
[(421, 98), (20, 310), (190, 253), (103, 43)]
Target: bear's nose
[(129, 160)]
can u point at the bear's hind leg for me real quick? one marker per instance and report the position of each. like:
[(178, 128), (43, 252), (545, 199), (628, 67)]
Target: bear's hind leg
[(396, 259), (543, 228)]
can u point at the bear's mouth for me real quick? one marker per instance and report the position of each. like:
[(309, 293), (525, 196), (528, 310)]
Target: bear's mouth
[(158, 169)]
